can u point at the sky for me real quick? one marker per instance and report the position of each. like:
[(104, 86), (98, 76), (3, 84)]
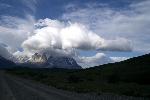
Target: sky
[(93, 32)]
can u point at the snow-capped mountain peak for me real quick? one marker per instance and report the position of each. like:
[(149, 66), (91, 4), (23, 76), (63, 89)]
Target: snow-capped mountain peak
[(41, 60)]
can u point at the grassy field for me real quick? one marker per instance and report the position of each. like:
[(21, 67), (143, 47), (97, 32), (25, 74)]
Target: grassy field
[(131, 77)]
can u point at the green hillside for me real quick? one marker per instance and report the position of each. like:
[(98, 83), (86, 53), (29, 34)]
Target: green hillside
[(130, 77)]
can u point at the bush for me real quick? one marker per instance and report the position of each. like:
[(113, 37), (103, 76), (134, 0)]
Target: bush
[(113, 78), (73, 79)]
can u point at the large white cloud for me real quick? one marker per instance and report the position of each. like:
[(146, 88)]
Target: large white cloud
[(53, 34), (14, 30), (131, 22)]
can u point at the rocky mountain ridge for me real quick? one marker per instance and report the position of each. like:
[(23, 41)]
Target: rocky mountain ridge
[(41, 60)]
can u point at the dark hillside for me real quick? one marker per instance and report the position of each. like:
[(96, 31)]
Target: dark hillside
[(136, 69), (4, 63)]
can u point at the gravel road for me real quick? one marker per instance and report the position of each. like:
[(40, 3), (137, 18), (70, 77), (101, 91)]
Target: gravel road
[(14, 88)]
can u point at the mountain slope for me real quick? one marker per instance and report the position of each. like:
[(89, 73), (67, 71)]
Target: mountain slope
[(4, 63), (136, 69), (62, 62)]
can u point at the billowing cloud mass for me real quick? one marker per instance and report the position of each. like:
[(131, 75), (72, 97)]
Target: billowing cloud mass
[(14, 30), (131, 22), (53, 34)]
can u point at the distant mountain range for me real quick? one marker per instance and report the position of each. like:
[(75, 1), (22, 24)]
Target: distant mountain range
[(42, 61)]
